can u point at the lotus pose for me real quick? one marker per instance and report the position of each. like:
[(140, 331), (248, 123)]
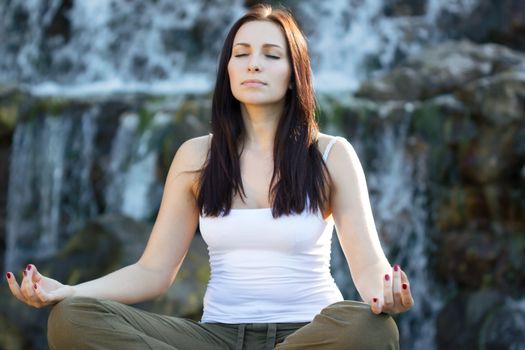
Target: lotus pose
[(266, 188)]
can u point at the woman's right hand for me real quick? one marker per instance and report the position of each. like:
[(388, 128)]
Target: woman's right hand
[(37, 290)]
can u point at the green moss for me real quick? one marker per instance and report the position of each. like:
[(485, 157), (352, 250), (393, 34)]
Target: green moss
[(8, 116), (203, 273), (48, 106), (145, 119), (74, 277), (427, 122), (189, 107), (487, 281)]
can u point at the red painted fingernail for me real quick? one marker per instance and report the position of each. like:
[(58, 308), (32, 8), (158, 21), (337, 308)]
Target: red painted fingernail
[(374, 300), (405, 286), (396, 267), (35, 286), (28, 267), (387, 277), (8, 275), (25, 273)]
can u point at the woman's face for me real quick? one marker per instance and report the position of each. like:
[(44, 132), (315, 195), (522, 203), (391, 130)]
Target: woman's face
[(259, 67)]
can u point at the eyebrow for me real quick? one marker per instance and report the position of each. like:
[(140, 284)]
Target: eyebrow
[(265, 45)]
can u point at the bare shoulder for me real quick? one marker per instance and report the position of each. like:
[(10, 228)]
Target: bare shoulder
[(342, 156), (193, 153), (189, 160), (341, 144)]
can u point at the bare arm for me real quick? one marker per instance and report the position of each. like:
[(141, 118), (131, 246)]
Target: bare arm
[(380, 285), (354, 221), (155, 271)]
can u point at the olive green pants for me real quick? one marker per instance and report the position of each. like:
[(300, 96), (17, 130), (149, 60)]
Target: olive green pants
[(86, 323)]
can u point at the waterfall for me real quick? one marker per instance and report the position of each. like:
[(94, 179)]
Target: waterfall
[(132, 182), (85, 47), (396, 178), (51, 192), (41, 206), (95, 47), (398, 195)]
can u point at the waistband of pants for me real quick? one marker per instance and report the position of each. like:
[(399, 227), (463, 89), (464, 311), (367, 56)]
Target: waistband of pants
[(270, 328)]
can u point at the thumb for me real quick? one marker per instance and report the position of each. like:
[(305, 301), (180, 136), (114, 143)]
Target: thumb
[(375, 305)]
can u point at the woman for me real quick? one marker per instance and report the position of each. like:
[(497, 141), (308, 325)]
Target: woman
[(266, 188)]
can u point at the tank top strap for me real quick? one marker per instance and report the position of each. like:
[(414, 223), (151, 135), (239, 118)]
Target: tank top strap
[(328, 148)]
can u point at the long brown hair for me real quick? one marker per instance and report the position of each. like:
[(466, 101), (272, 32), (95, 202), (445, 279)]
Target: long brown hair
[(300, 176)]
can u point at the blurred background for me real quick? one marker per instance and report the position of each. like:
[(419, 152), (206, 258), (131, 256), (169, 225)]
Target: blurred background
[(96, 96)]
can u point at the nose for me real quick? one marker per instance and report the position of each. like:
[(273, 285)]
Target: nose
[(253, 65)]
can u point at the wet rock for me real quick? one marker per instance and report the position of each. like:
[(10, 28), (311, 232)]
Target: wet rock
[(503, 328), (491, 156), (499, 99), (501, 22), (404, 8), (460, 319), (481, 320), (440, 70), (468, 257)]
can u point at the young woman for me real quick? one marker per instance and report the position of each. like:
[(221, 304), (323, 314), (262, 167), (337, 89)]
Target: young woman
[(266, 188)]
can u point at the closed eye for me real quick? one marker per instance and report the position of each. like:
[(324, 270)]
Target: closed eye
[(269, 56)]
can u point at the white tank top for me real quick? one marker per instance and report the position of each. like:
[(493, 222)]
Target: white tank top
[(267, 270)]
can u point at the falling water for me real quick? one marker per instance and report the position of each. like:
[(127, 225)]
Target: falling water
[(102, 46), (399, 191), (113, 45), (132, 182), (396, 182), (43, 151)]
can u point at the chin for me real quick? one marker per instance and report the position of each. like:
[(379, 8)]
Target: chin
[(257, 100)]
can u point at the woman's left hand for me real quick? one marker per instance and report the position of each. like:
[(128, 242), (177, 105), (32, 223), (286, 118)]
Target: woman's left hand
[(396, 294)]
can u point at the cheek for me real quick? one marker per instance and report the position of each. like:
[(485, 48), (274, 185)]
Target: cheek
[(285, 74), (233, 79)]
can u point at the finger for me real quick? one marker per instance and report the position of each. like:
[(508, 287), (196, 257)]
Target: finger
[(23, 284), (27, 286), (404, 277), (396, 277), (387, 291), (375, 306), (42, 296), (14, 287), (406, 295)]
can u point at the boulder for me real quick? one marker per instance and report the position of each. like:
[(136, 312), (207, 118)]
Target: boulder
[(485, 319), (440, 70)]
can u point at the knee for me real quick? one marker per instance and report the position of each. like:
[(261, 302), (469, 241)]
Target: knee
[(67, 320), (362, 328)]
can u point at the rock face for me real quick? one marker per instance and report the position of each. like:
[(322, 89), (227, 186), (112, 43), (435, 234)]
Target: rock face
[(465, 109), (501, 22), (481, 320), (443, 69)]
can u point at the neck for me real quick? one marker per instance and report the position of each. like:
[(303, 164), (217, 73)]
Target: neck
[(260, 123)]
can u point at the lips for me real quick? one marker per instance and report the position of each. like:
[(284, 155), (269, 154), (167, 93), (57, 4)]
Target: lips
[(253, 82)]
